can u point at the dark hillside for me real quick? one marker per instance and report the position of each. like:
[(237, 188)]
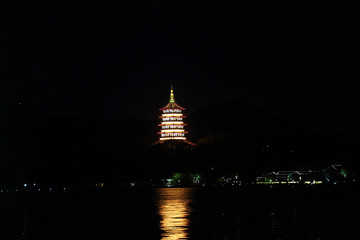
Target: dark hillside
[(230, 136)]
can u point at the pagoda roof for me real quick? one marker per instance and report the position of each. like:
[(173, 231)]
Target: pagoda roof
[(172, 104)]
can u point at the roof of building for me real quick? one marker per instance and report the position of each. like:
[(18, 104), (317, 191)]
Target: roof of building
[(172, 103), (334, 166), (287, 173)]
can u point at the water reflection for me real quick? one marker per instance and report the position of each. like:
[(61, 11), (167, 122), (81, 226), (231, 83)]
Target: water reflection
[(174, 209)]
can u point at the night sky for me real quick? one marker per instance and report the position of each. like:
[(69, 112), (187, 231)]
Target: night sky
[(268, 86), (117, 60)]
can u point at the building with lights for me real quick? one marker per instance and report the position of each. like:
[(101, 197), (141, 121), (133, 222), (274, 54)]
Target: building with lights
[(172, 124)]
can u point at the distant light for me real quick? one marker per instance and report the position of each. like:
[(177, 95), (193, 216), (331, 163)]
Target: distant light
[(39, 189), (25, 185), (64, 189), (34, 184)]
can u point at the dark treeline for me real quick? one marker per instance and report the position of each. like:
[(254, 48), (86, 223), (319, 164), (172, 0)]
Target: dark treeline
[(231, 137)]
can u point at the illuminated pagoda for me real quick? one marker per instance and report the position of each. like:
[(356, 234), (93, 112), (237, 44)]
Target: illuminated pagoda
[(172, 125)]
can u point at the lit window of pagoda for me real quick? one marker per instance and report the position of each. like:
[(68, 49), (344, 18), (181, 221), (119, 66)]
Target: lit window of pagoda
[(172, 125)]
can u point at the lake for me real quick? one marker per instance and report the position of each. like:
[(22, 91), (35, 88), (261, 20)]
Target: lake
[(182, 213)]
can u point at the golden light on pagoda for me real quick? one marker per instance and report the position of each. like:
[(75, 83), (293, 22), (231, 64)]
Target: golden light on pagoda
[(172, 125)]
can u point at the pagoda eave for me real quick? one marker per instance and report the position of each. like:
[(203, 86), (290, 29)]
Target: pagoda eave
[(164, 108), (180, 140), (172, 116), (172, 106), (178, 124), (172, 132)]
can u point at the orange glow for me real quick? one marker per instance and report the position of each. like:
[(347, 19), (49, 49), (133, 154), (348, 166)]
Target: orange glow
[(171, 123), (174, 208), (175, 138), (172, 114), (172, 130)]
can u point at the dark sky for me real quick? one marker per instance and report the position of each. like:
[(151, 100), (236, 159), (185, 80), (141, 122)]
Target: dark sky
[(118, 60)]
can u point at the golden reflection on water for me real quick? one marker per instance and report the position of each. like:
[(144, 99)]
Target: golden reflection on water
[(174, 210)]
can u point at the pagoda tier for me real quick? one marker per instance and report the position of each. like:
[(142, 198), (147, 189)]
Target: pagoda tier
[(172, 125)]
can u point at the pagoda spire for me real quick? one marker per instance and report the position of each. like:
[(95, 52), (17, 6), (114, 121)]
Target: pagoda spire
[(172, 98)]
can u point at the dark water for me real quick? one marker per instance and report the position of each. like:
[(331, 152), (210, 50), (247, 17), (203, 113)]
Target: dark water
[(182, 213)]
